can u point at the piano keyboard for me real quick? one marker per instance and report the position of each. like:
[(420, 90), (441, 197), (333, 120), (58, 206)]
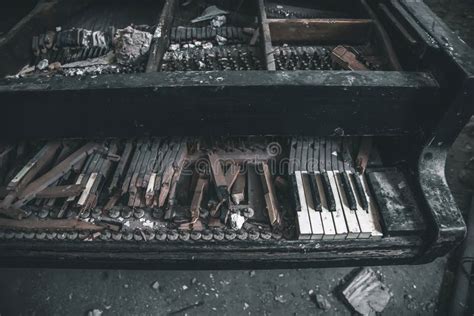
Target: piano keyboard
[(333, 201)]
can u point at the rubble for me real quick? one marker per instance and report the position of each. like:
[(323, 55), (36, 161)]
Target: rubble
[(366, 294), (95, 312), (43, 64), (221, 40), (322, 302), (131, 46), (237, 221), (219, 21), (155, 285)]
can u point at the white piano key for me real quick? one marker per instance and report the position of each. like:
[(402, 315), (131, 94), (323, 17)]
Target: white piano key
[(365, 223), (304, 223), (350, 215), (374, 217), (326, 217), (314, 216), (338, 215)]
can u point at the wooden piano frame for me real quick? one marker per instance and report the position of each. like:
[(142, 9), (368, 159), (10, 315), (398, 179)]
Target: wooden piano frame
[(431, 106)]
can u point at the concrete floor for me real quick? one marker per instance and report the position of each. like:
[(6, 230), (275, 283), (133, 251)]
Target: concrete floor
[(415, 289)]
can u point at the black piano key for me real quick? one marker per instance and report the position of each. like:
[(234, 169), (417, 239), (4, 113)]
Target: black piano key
[(328, 192), (315, 192), (360, 192), (348, 191), (296, 197)]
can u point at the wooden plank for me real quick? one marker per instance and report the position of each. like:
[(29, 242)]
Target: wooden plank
[(346, 59), (160, 41), (270, 196), (231, 175), (266, 36), (321, 31), (34, 166), (54, 174), (201, 187), (172, 172), (61, 191), (57, 224), (238, 189)]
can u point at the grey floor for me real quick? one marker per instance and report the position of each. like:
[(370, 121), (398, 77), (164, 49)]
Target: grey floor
[(417, 290)]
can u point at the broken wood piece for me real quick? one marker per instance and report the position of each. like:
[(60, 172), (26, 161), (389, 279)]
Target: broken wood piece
[(78, 182), (87, 189), (35, 165), (270, 196), (160, 41), (218, 176), (12, 212), (231, 175), (50, 224), (346, 59), (54, 174), (199, 192), (150, 190), (366, 294), (61, 191), (172, 173), (124, 158), (238, 189)]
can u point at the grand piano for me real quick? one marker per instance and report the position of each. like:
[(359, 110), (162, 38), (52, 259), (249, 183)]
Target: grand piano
[(229, 134)]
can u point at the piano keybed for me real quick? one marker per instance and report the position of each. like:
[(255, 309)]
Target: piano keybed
[(200, 189), (333, 200)]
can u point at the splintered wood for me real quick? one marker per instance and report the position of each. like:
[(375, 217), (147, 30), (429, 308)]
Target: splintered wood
[(189, 183)]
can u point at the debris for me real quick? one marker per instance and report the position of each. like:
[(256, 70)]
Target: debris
[(182, 310), (185, 287), (322, 302), (366, 294), (246, 306), (221, 40), (237, 221), (209, 13), (174, 47), (155, 285), (25, 70), (54, 66), (280, 299), (95, 312), (131, 45), (252, 273), (218, 21), (43, 64), (207, 45), (99, 61)]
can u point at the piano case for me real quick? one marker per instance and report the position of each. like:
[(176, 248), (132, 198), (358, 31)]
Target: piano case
[(386, 77)]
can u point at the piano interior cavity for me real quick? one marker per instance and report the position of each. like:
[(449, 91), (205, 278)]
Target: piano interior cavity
[(104, 37), (238, 188)]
